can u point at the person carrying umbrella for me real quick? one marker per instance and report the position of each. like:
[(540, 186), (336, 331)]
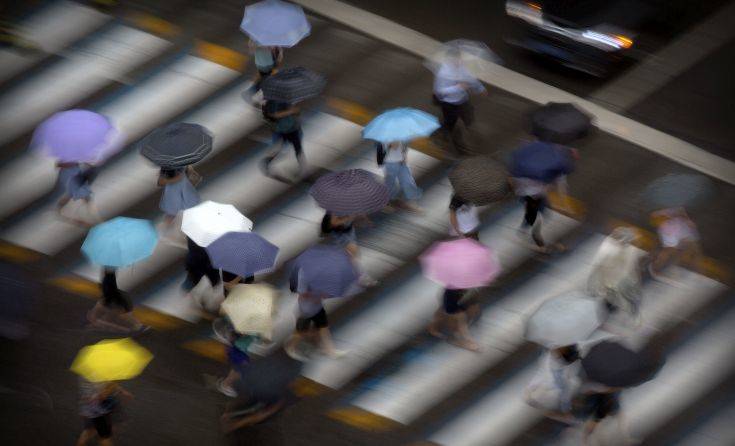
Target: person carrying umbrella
[(555, 383), (679, 242), (179, 192), (98, 403), (75, 181), (267, 59), (114, 306), (284, 121), (402, 187), (463, 218)]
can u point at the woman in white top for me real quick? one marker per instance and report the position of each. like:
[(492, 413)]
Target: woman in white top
[(679, 241), (398, 176), (464, 218)]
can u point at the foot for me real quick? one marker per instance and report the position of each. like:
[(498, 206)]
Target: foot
[(140, 330), (295, 354), (434, 331), (411, 207), (467, 344), (335, 354), (226, 390), (367, 281)]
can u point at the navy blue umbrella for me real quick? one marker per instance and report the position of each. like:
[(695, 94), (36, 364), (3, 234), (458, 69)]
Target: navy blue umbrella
[(323, 269), (541, 161), (242, 253), (560, 122)]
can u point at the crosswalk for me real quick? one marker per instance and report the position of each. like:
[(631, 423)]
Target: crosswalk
[(96, 54)]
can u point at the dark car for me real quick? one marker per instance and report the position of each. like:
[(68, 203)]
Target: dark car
[(586, 35)]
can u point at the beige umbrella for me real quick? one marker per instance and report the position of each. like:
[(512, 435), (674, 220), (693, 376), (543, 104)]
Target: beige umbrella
[(250, 308)]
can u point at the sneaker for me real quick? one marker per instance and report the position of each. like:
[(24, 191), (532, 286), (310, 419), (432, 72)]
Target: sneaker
[(225, 390)]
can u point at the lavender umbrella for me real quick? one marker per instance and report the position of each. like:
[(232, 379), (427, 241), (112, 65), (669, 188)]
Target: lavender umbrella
[(242, 253), (350, 192), (76, 136), (323, 269), (275, 23)]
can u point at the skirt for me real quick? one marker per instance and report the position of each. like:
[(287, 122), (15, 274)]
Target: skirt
[(178, 196), (72, 183)]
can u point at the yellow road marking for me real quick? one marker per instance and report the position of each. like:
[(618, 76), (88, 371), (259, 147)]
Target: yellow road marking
[(362, 419), (17, 254), (154, 24), (567, 205), (221, 55), (304, 387), (209, 348), (156, 319), (77, 285), (351, 110)]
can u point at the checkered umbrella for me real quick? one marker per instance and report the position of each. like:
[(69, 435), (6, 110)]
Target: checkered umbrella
[(242, 253), (177, 145), (560, 123), (350, 192), (480, 180), (293, 85), (323, 269)]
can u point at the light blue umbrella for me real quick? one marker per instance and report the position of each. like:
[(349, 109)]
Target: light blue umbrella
[(121, 241), (275, 23), (400, 124)]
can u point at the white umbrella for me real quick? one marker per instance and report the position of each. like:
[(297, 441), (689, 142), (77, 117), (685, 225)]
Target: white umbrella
[(564, 320), (250, 309), (208, 221), (472, 56)]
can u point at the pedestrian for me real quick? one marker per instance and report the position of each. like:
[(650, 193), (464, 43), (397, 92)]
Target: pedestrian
[(341, 232), (398, 176), (556, 383), (75, 180), (115, 309), (457, 310), (464, 218), (237, 355), (679, 243), (179, 193), (596, 403), (267, 60), (312, 325), (203, 282), (284, 121), (98, 403), (453, 84)]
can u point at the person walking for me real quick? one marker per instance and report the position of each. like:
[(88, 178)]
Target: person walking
[(284, 121), (464, 218), (398, 176), (179, 194), (75, 180), (555, 384), (203, 282), (267, 60), (453, 84), (457, 310), (341, 232), (312, 324), (98, 403), (679, 243), (115, 309)]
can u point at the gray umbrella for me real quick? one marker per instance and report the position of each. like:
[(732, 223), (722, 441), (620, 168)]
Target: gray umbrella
[(560, 123), (678, 190), (177, 145), (293, 85), (480, 180), (350, 192)]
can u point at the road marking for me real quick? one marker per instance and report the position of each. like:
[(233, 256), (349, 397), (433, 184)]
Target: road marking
[(362, 419), (78, 285), (221, 55), (17, 254), (627, 129), (659, 69), (154, 25), (209, 348)]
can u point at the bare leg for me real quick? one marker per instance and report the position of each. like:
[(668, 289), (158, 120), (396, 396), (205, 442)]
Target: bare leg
[(131, 321), (435, 327), (462, 333), (105, 441), (86, 435), (588, 428), (293, 343), (326, 343), (231, 378)]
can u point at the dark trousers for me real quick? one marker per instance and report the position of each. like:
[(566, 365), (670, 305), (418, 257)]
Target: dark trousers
[(453, 112), (534, 205), (294, 138)]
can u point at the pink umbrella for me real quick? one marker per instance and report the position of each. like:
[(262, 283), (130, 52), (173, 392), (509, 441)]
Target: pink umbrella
[(460, 264)]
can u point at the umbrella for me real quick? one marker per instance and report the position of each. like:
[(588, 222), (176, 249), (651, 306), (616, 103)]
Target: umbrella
[(612, 364), (541, 161), (242, 253), (400, 124), (111, 360), (678, 190), (293, 85), (250, 309), (275, 23), (208, 221), (560, 123), (472, 55), (77, 136), (265, 382), (350, 192), (177, 145), (120, 242), (460, 264), (564, 320), (480, 180), (323, 269)]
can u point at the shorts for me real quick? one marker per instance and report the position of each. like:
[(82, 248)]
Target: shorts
[(102, 424), (600, 405), (452, 300), (237, 357), (319, 320)]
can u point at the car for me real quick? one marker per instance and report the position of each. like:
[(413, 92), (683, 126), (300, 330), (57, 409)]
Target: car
[(592, 36)]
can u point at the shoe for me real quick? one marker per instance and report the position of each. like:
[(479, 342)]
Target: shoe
[(295, 354), (367, 281), (225, 390)]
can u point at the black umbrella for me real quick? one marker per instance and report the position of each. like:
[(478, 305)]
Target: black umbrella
[(350, 192), (480, 180), (560, 123), (293, 85), (612, 364), (177, 145)]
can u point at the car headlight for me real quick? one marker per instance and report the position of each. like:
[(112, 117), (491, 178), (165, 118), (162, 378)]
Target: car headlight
[(608, 42), (528, 11)]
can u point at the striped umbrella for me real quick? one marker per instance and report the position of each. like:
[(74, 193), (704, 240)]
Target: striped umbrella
[(242, 253), (293, 85), (350, 192), (480, 180), (323, 269)]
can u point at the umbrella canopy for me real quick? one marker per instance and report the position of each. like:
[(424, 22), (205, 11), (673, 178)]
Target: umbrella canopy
[(471, 54), (460, 264), (242, 253), (541, 161), (323, 269), (111, 360), (612, 364), (77, 136), (678, 190), (119, 242), (208, 221), (400, 124), (250, 309), (480, 180), (293, 85), (560, 123), (177, 145), (266, 381), (275, 23), (350, 192), (564, 320)]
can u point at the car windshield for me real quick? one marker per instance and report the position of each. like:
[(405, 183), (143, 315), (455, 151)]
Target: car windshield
[(589, 13)]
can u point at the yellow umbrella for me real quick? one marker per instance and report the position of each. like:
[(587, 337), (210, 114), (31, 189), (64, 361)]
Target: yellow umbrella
[(111, 360), (250, 308)]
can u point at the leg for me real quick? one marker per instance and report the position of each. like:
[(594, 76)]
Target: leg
[(407, 184), (462, 332), (449, 117), (295, 139), (467, 113), (391, 179), (435, 327), (86, 435)]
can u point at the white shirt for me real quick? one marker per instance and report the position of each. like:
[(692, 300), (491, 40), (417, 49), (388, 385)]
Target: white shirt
[(468, 219), (676, 230), (447, 80), (396, 154)]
